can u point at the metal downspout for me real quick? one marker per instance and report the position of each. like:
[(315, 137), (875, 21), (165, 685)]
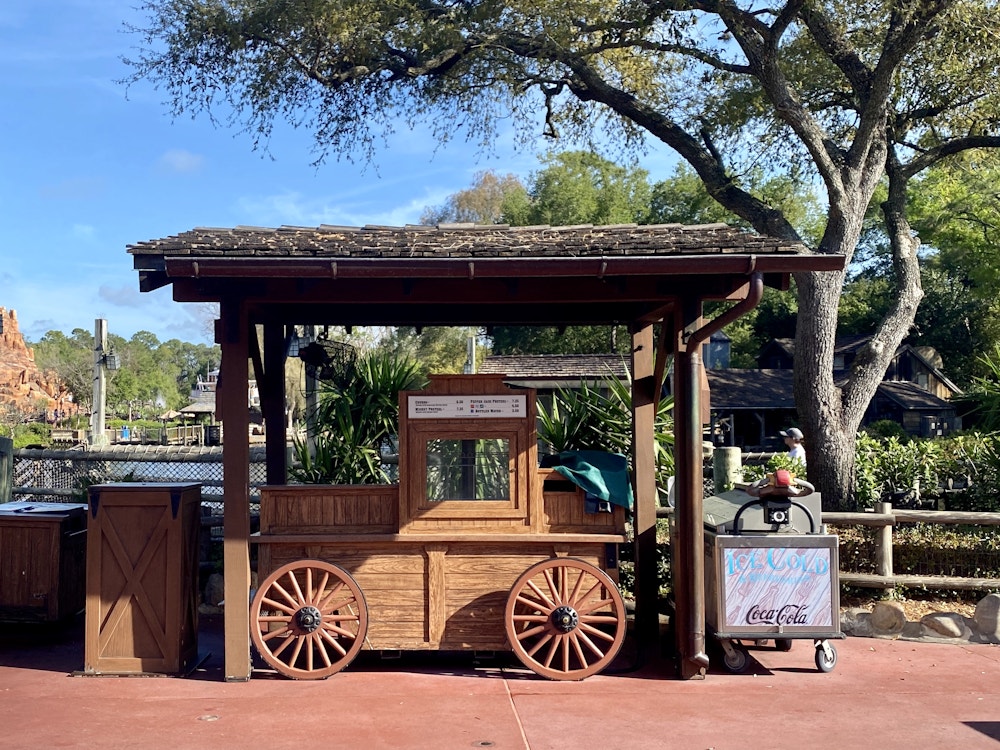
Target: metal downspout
[(693, 524)]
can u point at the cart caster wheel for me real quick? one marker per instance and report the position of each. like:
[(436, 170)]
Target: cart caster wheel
[(736, 659), (783, 644), (826, 657), (308, 619)]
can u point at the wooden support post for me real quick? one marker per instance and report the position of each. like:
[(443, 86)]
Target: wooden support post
[(644, 467), (236, 488), (883, 548), (272, 398), (688, 558)]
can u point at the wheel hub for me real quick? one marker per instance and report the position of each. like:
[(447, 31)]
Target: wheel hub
[(565, 619), (308, 618)]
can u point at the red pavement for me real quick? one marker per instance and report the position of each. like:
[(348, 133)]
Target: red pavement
[(883, 694)]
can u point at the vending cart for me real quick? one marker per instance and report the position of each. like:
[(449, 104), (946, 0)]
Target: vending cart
[(770, 571), (476, 549)]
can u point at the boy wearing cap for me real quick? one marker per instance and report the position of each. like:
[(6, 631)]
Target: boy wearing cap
[(793, 439)]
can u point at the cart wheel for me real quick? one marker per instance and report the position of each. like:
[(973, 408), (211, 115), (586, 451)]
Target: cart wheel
[(308, 619), (826, 657), (783, 644), (736, 659), (565, 619)]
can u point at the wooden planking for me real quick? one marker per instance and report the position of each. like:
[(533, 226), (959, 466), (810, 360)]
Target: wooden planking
[(345, 509), (142, 578), (437, 593)]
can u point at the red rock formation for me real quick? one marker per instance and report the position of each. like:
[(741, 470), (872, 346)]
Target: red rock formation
[(21, 383)]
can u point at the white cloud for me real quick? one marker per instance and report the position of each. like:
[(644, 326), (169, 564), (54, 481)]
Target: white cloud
[(180, 161)]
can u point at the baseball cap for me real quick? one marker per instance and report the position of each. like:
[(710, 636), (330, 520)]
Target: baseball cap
[(792, 432)]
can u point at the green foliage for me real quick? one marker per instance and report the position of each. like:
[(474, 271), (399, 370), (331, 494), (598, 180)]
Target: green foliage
[(488, 201), (885, 428), (354, 423), (962, 472), (153, 376), (436, 349), (982, 400), (34, 433), (601, 419)]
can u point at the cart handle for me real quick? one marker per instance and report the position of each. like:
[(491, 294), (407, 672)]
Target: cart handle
[(764, 502)]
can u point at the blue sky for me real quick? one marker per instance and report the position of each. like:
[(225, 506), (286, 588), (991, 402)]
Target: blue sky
[(87, 168)]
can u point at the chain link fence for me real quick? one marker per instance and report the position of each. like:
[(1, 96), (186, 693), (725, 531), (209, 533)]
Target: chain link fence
[(42, 475)]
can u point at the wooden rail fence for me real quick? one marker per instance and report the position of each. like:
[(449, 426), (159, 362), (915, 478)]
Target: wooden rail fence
[(885, 518)]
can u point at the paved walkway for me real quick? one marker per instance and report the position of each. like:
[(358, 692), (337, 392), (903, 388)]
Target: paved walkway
[(882, 694)]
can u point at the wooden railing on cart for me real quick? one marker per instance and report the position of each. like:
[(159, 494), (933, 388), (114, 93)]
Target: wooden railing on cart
[(885, 518)]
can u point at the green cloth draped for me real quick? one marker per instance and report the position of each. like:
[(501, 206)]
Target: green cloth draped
[(603, 475)]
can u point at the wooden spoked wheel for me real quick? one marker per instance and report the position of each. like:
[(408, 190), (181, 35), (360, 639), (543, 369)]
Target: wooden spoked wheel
[(308, 619), (565, 619)]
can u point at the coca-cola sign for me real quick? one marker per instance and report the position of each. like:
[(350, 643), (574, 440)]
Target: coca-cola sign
[(777, 587)]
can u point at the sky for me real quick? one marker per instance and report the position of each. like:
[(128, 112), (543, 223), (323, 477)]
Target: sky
[(89, 166)]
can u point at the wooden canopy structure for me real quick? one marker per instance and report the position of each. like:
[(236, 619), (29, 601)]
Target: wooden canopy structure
[(640, 276)]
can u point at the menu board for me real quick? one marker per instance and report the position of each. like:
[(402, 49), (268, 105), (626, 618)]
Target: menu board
[(467, 407)]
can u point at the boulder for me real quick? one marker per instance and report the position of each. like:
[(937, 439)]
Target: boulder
[(888, 618), (945, 625), (214, 590), (987, 618), (856, 621)]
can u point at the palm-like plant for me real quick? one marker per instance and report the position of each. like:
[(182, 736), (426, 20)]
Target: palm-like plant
[(589, 419), (355, 422)]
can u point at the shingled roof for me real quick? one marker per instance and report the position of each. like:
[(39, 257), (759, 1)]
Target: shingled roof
[(464, 240), (557, 367), (464, 274)]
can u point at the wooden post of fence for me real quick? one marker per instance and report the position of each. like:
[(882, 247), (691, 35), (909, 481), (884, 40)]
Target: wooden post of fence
[(883, 546)]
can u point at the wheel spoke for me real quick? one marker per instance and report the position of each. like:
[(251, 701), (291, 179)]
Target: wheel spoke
[(532, 632), (281, 590), (325, 604), (298, 589), (553, 648), (278, 605), (575, 639), (542, 598), (589, 643), (267, 636), (285, 643), (541, 642), (596, 631)]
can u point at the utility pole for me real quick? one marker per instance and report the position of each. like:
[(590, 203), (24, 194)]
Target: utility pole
[(97, 435)]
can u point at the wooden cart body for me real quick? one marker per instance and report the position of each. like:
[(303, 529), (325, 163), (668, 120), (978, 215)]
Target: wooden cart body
[(438, 574)]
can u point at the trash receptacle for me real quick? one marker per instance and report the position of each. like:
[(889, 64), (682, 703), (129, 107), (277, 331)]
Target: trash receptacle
[(43, 551), (142, 578), (771, 574)]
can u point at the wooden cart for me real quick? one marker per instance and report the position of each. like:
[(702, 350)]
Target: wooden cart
[(475, 549)]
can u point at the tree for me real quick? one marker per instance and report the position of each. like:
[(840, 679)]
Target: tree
[(847, 94), (435, 349), (72, 359), (483, 203)]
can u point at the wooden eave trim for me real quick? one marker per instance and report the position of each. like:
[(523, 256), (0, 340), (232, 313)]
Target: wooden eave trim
[(500, 267)]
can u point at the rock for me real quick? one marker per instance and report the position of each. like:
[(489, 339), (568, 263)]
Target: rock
[(214, 590), (888, 618), (22, 385), (856, 621), (945, 624), (987, 618)]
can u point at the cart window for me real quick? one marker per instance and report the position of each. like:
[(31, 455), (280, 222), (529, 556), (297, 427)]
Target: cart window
[(471, 469)]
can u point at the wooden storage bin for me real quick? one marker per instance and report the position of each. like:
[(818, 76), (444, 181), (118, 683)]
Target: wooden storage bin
[(42, 558), (142, 578)]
